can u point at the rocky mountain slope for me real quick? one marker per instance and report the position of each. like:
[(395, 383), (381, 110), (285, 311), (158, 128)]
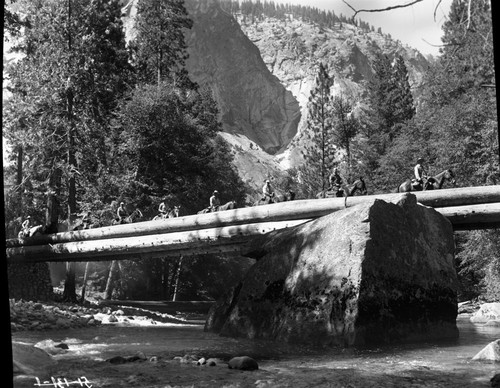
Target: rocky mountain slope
[(262, 74)]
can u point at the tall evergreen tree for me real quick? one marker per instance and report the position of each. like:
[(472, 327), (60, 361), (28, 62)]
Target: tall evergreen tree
[(64, 88), (390, 107), (401, 99), (159, 47), (345, 127), (319, 156)]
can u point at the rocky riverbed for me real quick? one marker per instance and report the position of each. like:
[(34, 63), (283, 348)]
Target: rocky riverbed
[(28, 315), (130, 347)]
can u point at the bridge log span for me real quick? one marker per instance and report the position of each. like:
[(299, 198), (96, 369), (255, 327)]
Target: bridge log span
[(231, 231)]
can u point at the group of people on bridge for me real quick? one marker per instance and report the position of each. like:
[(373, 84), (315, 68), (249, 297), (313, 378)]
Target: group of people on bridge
[(420, 181)]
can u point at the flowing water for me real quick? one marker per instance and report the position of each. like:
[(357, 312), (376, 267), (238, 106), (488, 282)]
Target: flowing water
[(437, 364)]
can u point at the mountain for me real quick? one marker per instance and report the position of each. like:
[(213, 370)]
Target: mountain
[(262, 72)]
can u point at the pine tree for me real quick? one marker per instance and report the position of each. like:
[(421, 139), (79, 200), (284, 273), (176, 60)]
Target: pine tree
[(390, 106), (345, 127), (401, 99), (63, 91), (159, 47), (320, 154)]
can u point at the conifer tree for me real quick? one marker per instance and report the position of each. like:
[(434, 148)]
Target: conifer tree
[(320, 154), (345, 126), (401, 99), (64, 88), (159, 46), (390, 106)]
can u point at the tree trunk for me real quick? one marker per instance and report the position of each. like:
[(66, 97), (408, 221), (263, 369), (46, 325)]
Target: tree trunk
[(121, 285), (54, 192), (69, 294), (19, 178), (109, 284), (84, 286), (177, 276), (165, 279)]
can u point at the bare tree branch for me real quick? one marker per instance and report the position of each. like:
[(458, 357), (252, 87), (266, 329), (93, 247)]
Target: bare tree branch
[(356, 11)]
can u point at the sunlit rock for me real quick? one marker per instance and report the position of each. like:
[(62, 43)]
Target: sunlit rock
[(375, 273), (490, 352), (488, 312)]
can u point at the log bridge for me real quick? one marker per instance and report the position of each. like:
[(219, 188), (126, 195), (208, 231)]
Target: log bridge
[(231, 232)]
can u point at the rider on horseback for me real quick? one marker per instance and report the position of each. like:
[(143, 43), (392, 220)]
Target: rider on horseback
[(163, 209), (335, 181), (420, 174), (214, 202), (122, 213), (25, 227), (267, 192)]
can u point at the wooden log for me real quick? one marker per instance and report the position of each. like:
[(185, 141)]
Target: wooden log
[(229, 240), (480, 216), (158, 245), (292, 210)]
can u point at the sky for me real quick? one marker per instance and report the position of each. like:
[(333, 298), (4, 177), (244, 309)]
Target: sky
[(415, 25)]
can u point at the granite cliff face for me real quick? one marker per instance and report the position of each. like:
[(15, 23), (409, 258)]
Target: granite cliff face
[(252, 101), (293, 50), (262, 74)]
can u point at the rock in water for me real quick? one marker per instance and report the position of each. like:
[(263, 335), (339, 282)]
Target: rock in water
[(490, 352), (30, 360), (487, 312), (243, 363), (495, 381), (374, 273)]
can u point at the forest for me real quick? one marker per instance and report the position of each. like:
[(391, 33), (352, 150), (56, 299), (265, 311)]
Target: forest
[(93, 120)]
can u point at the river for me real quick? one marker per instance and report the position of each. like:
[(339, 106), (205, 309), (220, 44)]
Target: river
[(437, 364)]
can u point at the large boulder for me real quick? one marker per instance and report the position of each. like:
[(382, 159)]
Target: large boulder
[(375, 273)]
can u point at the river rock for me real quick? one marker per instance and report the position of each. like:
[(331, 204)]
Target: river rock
[(243, 363), (488, 312), (490, 352), (374, 273), (30, 360), (495, 381)]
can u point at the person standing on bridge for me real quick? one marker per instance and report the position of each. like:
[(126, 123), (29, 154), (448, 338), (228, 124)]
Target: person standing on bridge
[(214, 202), (122, 213)]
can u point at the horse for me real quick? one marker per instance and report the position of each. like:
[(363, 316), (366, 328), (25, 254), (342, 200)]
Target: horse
[(135, 216), (33, 231), (276, 198), (346, 190), (227, 206), (290, 196), (172, 212), (434, 182)]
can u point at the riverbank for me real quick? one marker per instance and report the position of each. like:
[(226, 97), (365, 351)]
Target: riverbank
[(151, 353)]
